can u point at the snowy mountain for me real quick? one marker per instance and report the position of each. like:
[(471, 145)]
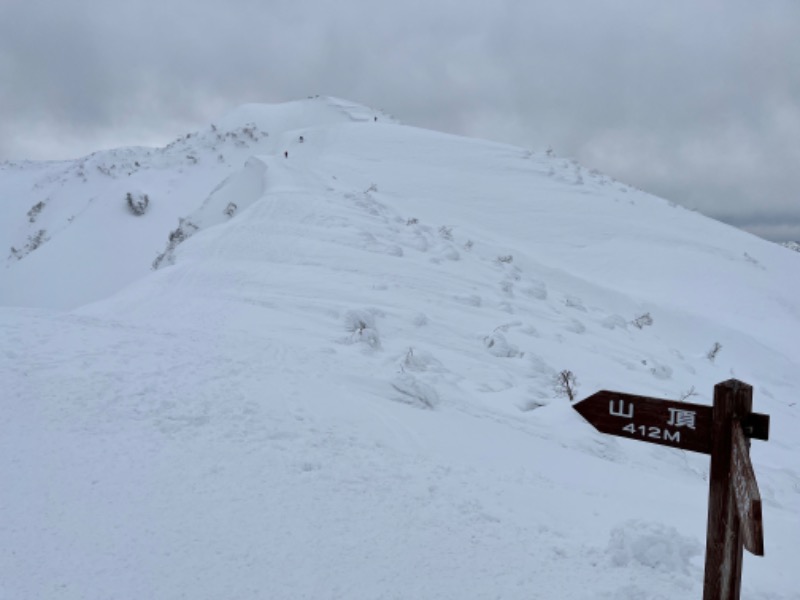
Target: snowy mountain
[(319, 361)]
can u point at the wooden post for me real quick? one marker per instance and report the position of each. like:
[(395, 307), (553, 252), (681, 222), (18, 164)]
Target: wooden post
[(733, 399), (724, 431)]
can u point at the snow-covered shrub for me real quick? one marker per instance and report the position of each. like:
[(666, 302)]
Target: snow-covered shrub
[(230, 210), (643, 321), (414, 392), (34, 241), (566, 384), (137, 203), (420, 361), (412, 362), (34, 211), (361, 325), (574, 302), (712, 354), (507, 258), (498, 345), (185, 229)]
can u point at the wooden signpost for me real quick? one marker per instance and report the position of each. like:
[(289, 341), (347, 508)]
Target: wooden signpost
[(724, 431)]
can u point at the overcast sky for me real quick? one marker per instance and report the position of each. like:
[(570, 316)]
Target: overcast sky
[(697, 101)]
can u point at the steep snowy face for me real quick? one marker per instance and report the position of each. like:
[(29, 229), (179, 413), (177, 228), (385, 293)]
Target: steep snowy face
[(310, 352)]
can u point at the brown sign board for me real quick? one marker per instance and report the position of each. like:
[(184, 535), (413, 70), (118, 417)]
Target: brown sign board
[(665, 422), (745, 493)]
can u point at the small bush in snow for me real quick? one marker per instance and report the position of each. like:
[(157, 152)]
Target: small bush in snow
[(230, 210), (356, 321), (566, 385), (505, 259), (712, 353), (361, 324), (642, 321), (499, 346), (138, 203), (446, 233), (412, 221), (414, 392), (34, 211), (185, 229), (34, 241)]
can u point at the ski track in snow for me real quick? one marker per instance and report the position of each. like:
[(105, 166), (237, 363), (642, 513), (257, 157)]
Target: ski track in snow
[(344, 387)]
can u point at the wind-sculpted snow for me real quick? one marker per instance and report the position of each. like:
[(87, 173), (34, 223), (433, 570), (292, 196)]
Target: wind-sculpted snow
[(340, 381)]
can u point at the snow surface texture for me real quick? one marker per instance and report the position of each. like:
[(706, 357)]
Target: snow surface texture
[(338, 381)]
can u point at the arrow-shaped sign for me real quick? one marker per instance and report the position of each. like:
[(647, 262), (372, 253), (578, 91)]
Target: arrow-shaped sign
[(734, 504), (665, 422)]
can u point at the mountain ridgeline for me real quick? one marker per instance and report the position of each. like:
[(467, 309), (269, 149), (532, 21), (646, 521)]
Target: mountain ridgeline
[(310, 352)]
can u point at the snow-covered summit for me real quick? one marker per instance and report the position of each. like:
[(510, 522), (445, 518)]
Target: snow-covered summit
[(300, 114), (253, 365)]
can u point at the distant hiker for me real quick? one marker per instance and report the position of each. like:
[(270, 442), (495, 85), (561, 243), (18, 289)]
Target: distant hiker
[(375, 119), (285, 154), (301, 139)]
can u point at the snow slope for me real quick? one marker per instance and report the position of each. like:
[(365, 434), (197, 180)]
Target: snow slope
[(339, 381)]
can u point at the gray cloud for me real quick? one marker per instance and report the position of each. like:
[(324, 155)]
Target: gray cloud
[(695, 101)]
